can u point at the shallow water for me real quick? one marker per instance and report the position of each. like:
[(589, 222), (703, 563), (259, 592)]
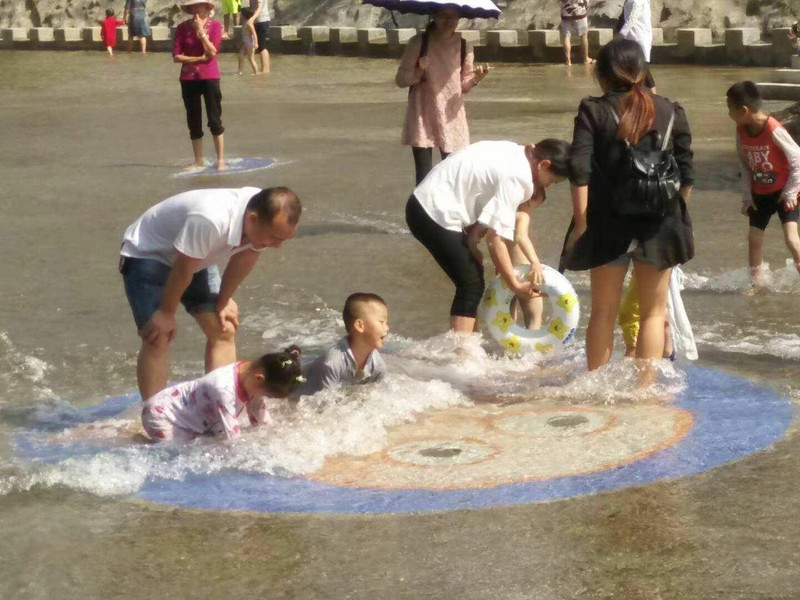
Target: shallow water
[(89, 143)]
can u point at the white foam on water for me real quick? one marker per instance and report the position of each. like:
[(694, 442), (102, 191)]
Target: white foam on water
[(295, 318), (783, 280), (376, 220), (426, 375), (752, 341), (21, 373), (353, 421)]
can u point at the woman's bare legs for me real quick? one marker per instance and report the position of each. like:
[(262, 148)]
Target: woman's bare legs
[(463, 324), (197, 148), (653, 290), (219, 147), (607, 284)]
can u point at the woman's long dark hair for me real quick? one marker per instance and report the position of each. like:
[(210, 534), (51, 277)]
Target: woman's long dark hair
[(622, 66)]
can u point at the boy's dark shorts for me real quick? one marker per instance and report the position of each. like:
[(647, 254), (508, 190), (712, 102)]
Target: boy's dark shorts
[(768, 205), (145, 280)]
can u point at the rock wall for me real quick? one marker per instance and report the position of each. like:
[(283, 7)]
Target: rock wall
[(517, 14)]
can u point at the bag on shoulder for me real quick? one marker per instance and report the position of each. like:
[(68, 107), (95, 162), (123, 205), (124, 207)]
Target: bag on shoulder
[(647, 184)]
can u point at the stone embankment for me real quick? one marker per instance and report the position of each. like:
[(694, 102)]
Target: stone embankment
[(738, 46)]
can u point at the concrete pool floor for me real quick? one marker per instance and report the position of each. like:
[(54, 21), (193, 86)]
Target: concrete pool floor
[(89, 144)]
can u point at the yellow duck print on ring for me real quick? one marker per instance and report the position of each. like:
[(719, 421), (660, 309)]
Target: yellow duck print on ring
[(567, 302), (503, 321), (558, 329), (512, 344), (490, 298)]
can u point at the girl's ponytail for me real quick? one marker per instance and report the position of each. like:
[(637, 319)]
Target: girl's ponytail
[(282, 371)]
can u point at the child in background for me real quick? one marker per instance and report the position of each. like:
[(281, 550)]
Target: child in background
[(355, 359), (770, 161), (678, 335), (794, 36), (212, 404), (575, 21), (108, 30), (248, 45), (230, 12)]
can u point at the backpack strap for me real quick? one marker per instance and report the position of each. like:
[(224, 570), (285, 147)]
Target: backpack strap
[(463, 52), (668, 135)]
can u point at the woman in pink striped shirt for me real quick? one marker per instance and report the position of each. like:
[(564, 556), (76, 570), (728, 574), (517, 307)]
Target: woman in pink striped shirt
[(197, 42)]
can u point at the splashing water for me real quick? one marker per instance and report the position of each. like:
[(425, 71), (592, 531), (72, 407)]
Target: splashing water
[(783, 280)]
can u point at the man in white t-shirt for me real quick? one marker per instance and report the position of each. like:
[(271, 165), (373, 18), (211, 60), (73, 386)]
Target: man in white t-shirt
[(476, 192), (169, 255)]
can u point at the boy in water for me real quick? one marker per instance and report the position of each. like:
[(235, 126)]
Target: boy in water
[(355, 358), (770, 161)]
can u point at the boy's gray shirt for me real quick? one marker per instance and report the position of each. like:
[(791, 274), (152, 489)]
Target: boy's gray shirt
[(338, 367)]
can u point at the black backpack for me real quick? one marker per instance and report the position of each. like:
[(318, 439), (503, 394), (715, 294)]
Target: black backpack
[(647, 183)]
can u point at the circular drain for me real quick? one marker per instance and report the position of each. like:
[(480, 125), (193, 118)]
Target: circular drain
[(567, 422), (440, 452), (429, 453), (555, 423)]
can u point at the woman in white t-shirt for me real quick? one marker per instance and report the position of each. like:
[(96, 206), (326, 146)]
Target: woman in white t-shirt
[(477, 192)]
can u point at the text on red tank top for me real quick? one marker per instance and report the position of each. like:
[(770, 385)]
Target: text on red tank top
[(768, 164)]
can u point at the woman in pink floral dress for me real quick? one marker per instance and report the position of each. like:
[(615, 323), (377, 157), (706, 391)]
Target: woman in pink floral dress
[(438, 66)]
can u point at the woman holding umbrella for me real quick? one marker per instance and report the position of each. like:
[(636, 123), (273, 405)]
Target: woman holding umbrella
[(438, 66)]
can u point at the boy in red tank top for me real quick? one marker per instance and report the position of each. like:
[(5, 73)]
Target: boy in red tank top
[(770, 172)]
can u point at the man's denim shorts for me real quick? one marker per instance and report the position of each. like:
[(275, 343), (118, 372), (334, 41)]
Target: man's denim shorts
[(145, 280)]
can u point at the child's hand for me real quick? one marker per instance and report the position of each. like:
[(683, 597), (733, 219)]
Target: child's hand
[(790, 204), (536, 275), (526, 289), (424, 63), (746, 206)]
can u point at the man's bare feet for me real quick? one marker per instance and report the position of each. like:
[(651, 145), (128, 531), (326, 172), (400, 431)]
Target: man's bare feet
[(194, 167), (589, 61), (221, 166)]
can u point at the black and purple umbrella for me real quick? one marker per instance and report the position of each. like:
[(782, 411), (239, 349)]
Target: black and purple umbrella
[(467, 9)]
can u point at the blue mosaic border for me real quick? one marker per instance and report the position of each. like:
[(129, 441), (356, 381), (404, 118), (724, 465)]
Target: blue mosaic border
[(733, 419)]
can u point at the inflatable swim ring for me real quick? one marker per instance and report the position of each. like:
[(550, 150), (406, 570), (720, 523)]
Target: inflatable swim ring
[(548, 339)]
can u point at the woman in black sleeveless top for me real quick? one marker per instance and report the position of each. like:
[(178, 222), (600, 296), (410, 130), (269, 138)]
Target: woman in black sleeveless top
[(605, 242)]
